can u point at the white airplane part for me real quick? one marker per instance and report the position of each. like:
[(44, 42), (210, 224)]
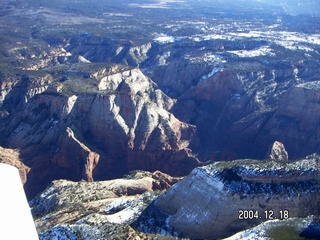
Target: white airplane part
[(16, 221)]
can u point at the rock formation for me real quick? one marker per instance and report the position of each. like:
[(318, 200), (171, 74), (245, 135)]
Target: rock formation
[(221, 199), (124, 125), (101, 209), (278, 152)]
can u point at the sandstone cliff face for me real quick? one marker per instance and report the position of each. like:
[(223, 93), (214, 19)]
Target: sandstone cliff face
[(207, 204), (20, 89), (124, 125)]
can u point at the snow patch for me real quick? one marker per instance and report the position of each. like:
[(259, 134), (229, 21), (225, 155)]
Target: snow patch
[(163, 39), (210, 74), (263, 51), (82, 59), (158, 4), (260, 231), (315, 85)]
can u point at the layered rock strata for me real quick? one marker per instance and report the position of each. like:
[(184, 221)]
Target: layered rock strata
[(221, 199), (123, 125)]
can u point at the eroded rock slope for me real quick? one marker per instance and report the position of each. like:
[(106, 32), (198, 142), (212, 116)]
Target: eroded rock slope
[(124, 124), (209, 203), (97, 210)]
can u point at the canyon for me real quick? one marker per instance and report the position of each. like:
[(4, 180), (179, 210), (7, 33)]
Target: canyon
[(91, 92)]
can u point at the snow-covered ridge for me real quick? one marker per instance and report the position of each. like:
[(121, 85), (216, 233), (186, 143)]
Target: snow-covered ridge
[(271, 35), (162, 39), (268, 177), (248, 167), (262, 51), (210, 74), (215, 195)]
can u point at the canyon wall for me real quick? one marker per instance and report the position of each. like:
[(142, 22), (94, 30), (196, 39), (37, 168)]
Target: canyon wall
[(214, 201)]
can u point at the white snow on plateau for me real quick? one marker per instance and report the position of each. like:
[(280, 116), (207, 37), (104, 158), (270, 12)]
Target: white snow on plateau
[(278, 36), (288, 40), (263, 51), (157, 4), (123, 216), (163, 39), (315, 85)]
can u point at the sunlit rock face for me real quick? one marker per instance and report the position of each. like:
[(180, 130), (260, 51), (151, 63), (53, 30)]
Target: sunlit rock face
[(211, 201), (93, 89), (15, 219), (277, 152), (123, 125)]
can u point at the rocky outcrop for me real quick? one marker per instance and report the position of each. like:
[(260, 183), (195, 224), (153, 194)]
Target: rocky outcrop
[(221, 199), (97, 209), (123, 125), (278, 152)]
